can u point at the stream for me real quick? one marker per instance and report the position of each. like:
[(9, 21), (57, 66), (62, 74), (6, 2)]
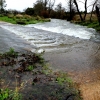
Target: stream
[(57, 35), (68, 47)]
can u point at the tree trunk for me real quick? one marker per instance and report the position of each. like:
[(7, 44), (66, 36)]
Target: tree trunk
[(45, 5), (85, 10), (70, 4), (51, 4), (78, 10), (98, 14), (92, 10)]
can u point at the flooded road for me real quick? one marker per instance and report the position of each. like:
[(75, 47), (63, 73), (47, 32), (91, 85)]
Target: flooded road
[(71, 48)]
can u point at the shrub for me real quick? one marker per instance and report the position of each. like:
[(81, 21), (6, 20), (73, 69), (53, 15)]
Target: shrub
[(20, 22), (47, 20), (1, 15), (45, 14), (38, 18), (27, 16), (10, 15), (29, 11), (19, 16)]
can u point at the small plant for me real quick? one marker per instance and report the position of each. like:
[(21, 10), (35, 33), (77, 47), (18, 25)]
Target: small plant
[(63, 78), (7, 94), (4, 94), (16, 96), (21, 21), (39, 59), (11, 53), (46, 70), (30, 67)]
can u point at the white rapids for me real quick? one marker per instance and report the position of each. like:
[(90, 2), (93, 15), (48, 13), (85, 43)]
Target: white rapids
[(54, 35)]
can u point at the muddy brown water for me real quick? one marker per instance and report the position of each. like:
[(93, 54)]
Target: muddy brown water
[(81, 60)]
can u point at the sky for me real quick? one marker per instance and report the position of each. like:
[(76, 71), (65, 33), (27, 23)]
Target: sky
[(20, 5)]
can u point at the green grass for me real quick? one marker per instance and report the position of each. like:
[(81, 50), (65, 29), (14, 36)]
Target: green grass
[(10, 53), (7, 94), (30, 67), (6, 19), (89, 24), (23, 21), (63, 78)]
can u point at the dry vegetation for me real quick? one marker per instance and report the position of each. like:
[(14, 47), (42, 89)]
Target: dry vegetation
[(77, 18), (90, 24)]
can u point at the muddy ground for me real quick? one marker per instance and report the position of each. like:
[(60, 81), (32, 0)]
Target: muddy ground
[(34, 80)]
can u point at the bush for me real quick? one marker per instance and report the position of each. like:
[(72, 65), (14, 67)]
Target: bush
[(29, 11), (19, 16), (1, 15), (47, 20), (27, 16), (22, 21), (10, 15), (37, 18), (45, 14)]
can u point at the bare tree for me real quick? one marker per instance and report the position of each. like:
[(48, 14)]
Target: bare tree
[(2, 5), (38, 7), (93, 9), (50, 5), (85, 12), (98, 13), (75, 2), (45, 2), (42, 3), (59, 7), (71, 8), (58, 10), (85, 8), (43, 7)]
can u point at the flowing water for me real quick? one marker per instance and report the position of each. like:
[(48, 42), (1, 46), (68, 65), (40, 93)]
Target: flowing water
[(52, 36), (70, 47)]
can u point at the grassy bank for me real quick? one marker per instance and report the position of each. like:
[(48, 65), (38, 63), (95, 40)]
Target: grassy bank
[(23, 19), (26, 76), (93, 24)]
